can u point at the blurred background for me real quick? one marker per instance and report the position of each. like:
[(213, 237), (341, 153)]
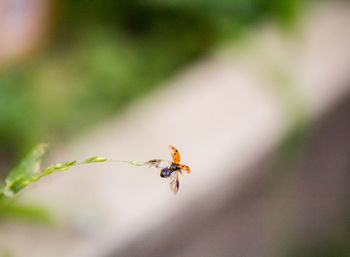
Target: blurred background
[(254, 94)]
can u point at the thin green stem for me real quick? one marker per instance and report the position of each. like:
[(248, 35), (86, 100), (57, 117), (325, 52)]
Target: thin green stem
[(19, 182)]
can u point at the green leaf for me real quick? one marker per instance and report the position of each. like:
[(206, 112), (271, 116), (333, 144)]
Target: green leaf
[(34, 213), (29, 171), (24, 172), (2, 186)]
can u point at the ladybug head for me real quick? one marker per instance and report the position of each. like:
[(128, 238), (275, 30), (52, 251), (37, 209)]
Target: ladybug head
[(173, 166)]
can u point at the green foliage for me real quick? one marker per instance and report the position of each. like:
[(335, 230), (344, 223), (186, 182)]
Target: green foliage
[(26, 171), (5, 253), (29, 171), (102, 55), (2, 187), (33, 213)]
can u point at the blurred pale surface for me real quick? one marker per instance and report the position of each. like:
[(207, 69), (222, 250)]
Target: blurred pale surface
[(222, 114), (21, 25)]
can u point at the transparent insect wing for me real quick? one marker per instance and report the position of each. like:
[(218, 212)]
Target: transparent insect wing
[(184, 168), (175, 154), (174, 182), (158, 164)]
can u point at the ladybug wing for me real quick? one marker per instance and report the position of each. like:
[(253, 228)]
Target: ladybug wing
[(184, 168), (175, 154), (174, 182), (158, 164)]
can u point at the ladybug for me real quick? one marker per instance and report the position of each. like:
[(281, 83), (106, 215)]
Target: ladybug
[(170, 169)]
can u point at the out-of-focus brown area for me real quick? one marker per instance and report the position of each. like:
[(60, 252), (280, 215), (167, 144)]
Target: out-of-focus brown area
[(298, 210), (253, 94)]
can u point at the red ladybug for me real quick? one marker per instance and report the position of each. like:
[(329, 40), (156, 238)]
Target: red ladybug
[(170, 169)]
